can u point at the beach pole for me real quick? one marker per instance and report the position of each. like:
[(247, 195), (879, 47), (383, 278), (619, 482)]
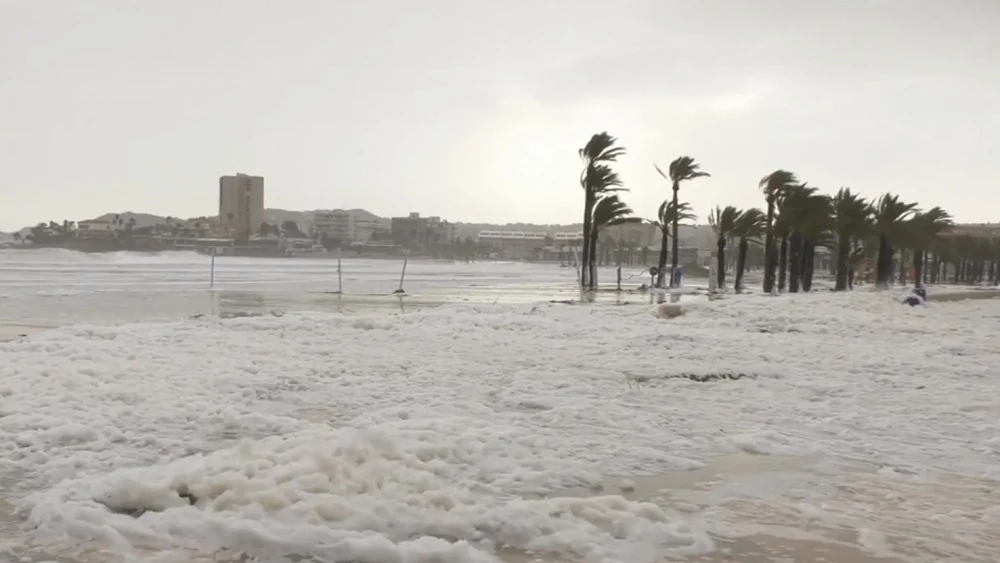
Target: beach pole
[(402, 276), (211, 279), (340, 274)]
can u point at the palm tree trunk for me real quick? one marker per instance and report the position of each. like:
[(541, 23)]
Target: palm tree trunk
[(843, 258), (883, 266), (720, 274), (782, 263), (808, 264), (918, 268), (592, 262), (741, 263), (794, 262), (902, 266), (588, 206), (770, 257), (662, 264), (675, 248)]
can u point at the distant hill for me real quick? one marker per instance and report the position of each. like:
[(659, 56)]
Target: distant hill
[(278, 216), (141, 219), (304, 219)]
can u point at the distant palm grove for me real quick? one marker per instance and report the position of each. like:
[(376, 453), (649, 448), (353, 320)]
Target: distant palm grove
[(884, 240)]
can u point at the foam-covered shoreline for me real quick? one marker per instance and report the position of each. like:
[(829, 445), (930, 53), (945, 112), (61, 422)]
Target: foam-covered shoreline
[(358, 433)]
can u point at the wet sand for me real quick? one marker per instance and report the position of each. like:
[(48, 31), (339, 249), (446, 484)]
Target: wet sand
[(772, 526), (945, 296), (752, 549)]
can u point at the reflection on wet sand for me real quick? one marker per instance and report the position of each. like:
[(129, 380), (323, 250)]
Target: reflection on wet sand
[(648, 487), (751, 549), (783, 508)]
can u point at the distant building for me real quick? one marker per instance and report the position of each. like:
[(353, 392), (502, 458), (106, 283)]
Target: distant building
[(568, 239), (979, 230), (241, 204), (414, 230), (514, 244), (95, 229), (633, 235), (345, 226)]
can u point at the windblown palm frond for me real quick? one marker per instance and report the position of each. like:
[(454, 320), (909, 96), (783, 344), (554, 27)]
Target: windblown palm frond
[(776, 183), (723, 221), (600, 178), (610, 211), (668, 213), (601, 148), (682, 169)]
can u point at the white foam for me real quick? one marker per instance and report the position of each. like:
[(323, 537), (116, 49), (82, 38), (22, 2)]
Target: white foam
[(428, 436)]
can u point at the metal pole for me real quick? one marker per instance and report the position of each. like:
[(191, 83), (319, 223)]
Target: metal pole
[(402, 276), (211, 282), (340, 274)]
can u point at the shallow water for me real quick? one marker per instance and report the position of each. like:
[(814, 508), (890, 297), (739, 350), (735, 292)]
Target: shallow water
[(48, 288)]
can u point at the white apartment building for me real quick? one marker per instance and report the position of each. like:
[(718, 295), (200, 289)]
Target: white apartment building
[(241, 203), (95, 229), (513, 244), (567, 239), (344, 226)]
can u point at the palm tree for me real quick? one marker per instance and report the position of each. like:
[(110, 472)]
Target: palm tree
[(800, 207), (891, 216), (723, 223), (816, 229), (925, 229), (596, 179), (851, 215), (608, 212), (749, 226), (773, 185), (681, 169), (669, 214)]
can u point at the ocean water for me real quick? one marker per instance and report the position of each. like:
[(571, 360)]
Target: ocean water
[(52, 287)]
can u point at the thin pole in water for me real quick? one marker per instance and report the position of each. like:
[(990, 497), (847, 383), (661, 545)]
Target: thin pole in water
[(340, 274), (211, 280), (402, 276)]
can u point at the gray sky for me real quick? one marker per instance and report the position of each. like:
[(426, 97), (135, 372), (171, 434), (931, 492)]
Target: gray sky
[(474, 110)]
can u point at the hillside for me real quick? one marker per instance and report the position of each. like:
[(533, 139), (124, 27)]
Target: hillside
[(141, 219), (274, 216)]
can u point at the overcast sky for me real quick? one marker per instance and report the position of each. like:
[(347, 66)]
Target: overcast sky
[(474, 110)]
